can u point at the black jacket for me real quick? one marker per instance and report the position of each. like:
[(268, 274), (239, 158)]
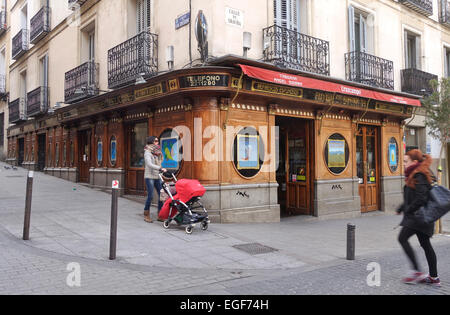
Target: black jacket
[(414, 198)]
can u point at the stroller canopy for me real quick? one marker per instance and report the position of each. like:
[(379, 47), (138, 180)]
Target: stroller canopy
[(188, 189)]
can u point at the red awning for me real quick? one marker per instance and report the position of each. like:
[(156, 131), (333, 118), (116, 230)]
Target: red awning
[(315, 84)]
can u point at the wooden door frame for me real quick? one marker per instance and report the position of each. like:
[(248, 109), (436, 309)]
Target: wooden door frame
[(87, 133), (310, 166), (364, 208)]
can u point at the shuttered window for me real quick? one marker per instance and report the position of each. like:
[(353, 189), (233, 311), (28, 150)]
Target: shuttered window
[(143, 15), (412, 51), (287, 14)]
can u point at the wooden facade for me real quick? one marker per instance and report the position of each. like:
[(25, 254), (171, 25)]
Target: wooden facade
[(334, 150)]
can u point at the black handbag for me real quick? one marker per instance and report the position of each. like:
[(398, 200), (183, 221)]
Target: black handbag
[(437, 206)]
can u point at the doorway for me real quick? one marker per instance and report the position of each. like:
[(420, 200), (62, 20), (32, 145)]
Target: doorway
[(21, 151), (294, 174), (84, 154), (368, 167), (136, 139), (41, 152)]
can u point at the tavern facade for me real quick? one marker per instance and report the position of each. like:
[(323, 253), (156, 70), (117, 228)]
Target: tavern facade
[(300, 124)]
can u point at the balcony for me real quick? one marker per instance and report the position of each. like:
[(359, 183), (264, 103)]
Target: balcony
[(371, 70), (73, 4), (40, 25), (81, 82), (20, 44), (3, 26), (444, 13), (37, 101), (424, 7), (417, 82), (17, 110), (135, 57), (290, 49)]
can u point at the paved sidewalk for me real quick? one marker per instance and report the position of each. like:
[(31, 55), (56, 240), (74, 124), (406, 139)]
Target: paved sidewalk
[(73, 220)]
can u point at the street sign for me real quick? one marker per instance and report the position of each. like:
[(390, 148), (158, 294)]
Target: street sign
[(115, 184), (182, 20)]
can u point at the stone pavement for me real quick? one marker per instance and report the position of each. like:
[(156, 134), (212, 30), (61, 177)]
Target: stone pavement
[(70, 223)]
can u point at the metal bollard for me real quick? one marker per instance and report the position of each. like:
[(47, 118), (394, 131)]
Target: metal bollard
[(27, 219), (113, 234), (351, 241)]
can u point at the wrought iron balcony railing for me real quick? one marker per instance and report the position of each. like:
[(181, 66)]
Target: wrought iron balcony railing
[(20, 44), (74, 3), (17, 110), (444, 12), (371, 70), (40, 25), (81, 82), (3, 26), (2, 85), (290, 49), (135, 57), (37, 101), (417, 82), (424, 7)]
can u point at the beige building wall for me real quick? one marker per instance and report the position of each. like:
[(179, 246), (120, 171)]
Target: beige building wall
[(114, 21), (5, 48)]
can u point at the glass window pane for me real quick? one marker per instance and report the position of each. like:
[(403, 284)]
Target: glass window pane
[(359, 159), (371, 162), (138, 141)]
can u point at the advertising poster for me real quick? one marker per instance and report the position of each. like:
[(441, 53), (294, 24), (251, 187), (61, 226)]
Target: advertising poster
[(336, 153), (113, 151), (169, 147), (247, 152), (392, 154)]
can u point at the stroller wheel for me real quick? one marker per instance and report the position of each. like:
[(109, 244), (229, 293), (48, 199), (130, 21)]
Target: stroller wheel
[(204, 225), (189, 229), (166, 224)]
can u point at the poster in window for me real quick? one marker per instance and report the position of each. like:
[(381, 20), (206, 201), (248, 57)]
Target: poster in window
[(392, 154), (336, 153), (99, 152), (169, 147), (248, 152), (113, 150)]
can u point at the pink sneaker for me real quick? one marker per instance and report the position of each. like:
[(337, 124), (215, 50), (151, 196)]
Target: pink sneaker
[(414, 278), (436, 282)]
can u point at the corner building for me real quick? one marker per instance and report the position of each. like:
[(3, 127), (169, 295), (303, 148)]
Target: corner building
[(277, 113)]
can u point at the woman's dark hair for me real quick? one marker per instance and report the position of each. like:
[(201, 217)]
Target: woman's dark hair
[(151, 139)]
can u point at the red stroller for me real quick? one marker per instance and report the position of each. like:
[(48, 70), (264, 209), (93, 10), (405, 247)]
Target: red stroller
[(182, 203)]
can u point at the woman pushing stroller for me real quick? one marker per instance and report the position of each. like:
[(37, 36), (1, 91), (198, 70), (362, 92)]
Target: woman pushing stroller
[(153, 160)]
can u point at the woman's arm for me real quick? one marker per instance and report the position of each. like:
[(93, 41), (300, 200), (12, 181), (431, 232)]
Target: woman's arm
[(149, 163)]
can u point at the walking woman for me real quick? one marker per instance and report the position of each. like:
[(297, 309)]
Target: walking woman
[(153, 160), (416, 194)]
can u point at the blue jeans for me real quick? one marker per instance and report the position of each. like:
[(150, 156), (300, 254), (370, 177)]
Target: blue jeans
[(150, 183)]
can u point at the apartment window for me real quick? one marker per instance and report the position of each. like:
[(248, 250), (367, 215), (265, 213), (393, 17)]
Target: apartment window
[(360, 30), (287, 14), (412, 51), (2, 128), (447, 62), (143, 15), (88, 43), (3, 71), (23, 84), (43, 70)]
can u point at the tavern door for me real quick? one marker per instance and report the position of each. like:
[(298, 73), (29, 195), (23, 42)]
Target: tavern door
[(368, 167), (84, 155), (298, 167)]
